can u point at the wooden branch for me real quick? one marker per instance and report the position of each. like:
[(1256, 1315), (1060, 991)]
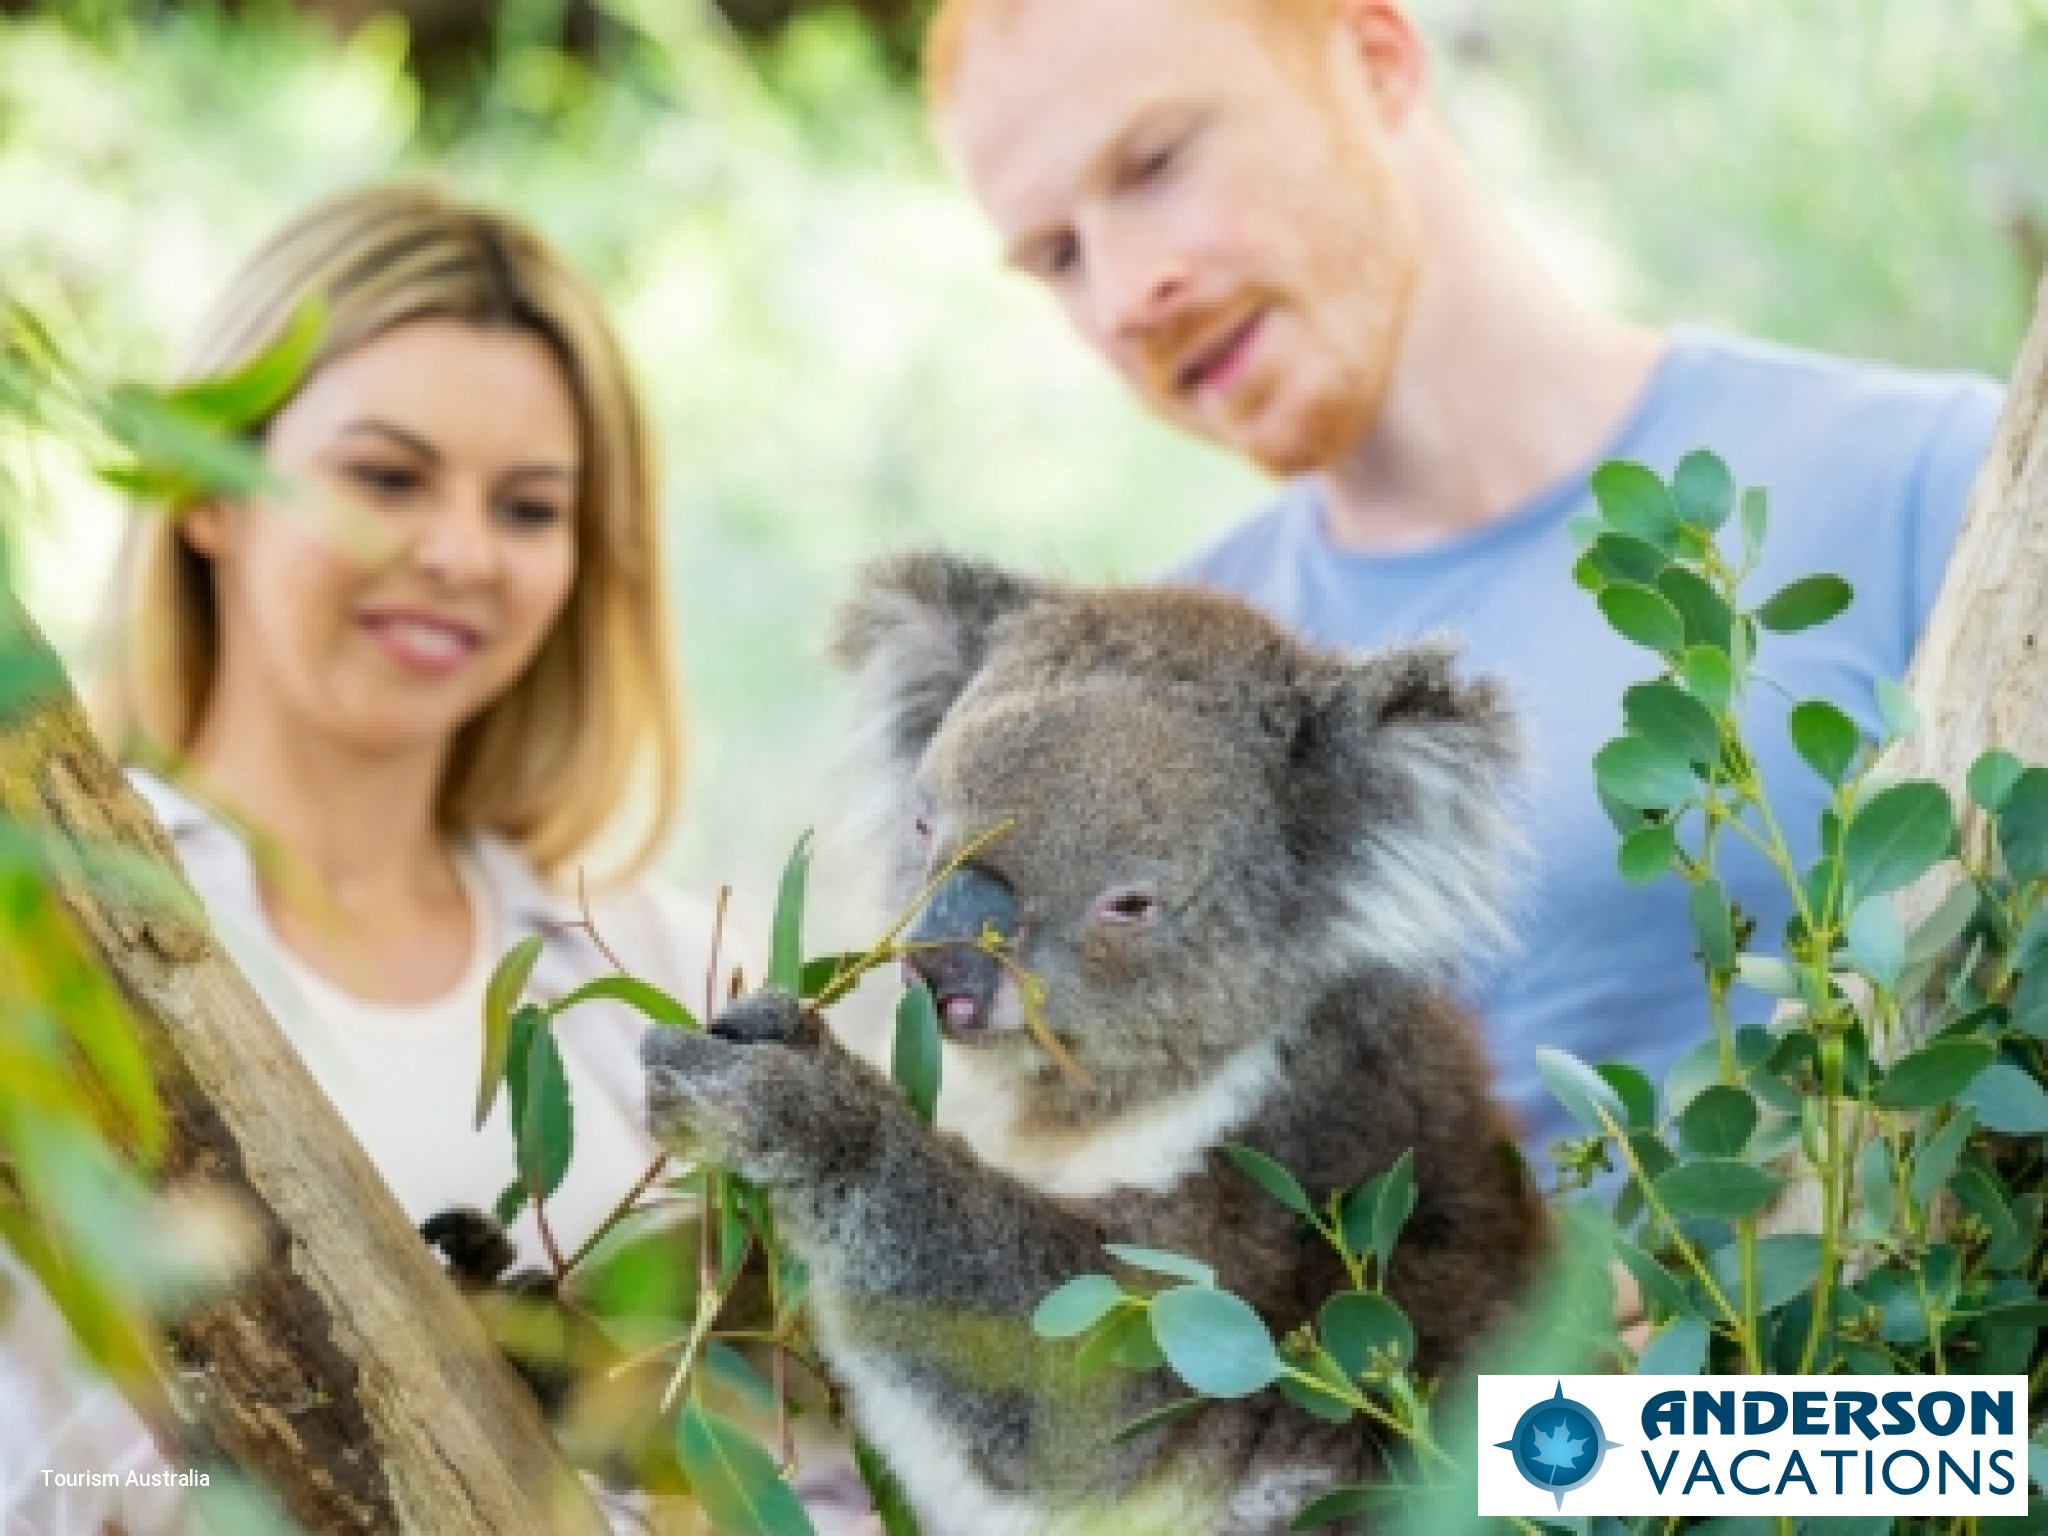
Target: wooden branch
[(346, 1372)]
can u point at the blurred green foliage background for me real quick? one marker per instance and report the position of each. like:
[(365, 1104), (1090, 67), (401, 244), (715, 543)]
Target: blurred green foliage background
[(835, 362)]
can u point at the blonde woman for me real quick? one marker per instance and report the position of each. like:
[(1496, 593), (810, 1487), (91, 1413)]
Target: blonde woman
[(397, 707)]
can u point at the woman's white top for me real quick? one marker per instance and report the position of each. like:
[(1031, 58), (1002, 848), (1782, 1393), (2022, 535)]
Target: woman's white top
[(404, 1079)]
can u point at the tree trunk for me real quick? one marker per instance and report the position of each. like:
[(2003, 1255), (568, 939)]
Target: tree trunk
[(345, 1372), (1980, 677)]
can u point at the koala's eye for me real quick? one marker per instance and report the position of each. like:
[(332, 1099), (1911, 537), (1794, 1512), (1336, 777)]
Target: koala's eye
[(1124, 906)]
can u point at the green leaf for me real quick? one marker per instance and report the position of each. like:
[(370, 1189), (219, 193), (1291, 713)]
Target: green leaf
[(1271, 1177), (1714, 925), (786, 948), (1771, 976), (642, 996), (1583, 528), (1393, 1204), (245, 397), (734, 1480), (1644, 616), (1874, 1186), (1179, 1408), (1633, 499), (1992, 778), (1896, 708), (1877, 940), (1214, 1341), (2023, 826), (1662, 1295), (1756, 523), (546, 1135), (1704, 490), (2008, 1100), (1718, 1123), (1708, 621), (1826, 738), (892, 1506), (1710, 677), (1786, 1266), (1617, 557), (1356, 1325), (1647, 852), (510, 1202), (1159, 1262), (1716, 1186), (1938, 1156), (2030, 1001), (1680, 1350), (1934, 1074), (1808, 602), (1640, 774), (1584, 1093), (1125, 1340), (821, 973), (1897, 836), (1945, 924), (1076, 1307), (1638, 1096), (1674, 721), (501, 995), (917, 1063)]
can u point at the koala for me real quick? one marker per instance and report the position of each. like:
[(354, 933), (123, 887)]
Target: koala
[(1243, 873)]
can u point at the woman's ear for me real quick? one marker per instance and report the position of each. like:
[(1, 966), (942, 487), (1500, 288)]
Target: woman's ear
[(1396, 59)]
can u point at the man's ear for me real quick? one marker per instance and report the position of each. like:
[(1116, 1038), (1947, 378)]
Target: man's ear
[(914, 634), (1395, 57)]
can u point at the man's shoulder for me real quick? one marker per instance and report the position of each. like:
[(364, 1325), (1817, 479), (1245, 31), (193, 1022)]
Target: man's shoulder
[(1775, 392), (1249, 555)]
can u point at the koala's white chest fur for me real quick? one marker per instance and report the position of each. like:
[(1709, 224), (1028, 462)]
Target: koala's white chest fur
[(1150, 1149)]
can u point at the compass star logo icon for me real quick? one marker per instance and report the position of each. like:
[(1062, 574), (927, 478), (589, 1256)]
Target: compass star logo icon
[(1558, 1445)]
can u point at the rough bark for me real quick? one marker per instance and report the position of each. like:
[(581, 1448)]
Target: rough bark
[(1980, 677), (345, 1372)]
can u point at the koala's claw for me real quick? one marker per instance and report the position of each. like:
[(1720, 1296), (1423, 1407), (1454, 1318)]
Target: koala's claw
[(767, 1017)]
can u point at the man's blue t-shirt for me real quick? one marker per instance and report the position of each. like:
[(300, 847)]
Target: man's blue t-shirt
[(1868, 470)]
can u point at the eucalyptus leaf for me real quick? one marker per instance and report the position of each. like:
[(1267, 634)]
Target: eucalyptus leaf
[(1638, 1094), (546, 1136), (1786, 1266), (1704, 490), (1878, 1200), (1708, 620), (1992, 777), (1678, 1350), (1944, 925), (1641, 774), (1271, 1177), (2023, 826), (734, 1480), (1146, 1422), (1709, 676), (1719, 1121), (1647, 852), (643, 996), (1214, 1341), (917, 1062), (1934, 1074), (1714, 926), (1159, 1262), (1673, 720), (2030, 1001), (1634, 500), (1826, 738), (1877, 940), (501, 995), (1355, 1325), (1618, 557), (243, 398), (1076, 1306), (1644, 616), (1895, 706), (1756, 522), (1716, 1186), (1806, 603), (1896, 837), (2008, 1100), (1586, 1096), (786, 948)]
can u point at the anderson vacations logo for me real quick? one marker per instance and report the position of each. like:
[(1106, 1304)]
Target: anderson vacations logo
[(1754, 1445)]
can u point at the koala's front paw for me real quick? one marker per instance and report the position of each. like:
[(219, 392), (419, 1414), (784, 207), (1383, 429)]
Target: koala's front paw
[(768, 1017), (748, 1106)]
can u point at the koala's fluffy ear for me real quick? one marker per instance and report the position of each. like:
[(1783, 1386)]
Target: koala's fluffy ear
[(914, 634), (1398, 791)]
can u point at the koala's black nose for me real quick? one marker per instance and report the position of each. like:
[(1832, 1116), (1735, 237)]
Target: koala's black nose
[(963, 977)]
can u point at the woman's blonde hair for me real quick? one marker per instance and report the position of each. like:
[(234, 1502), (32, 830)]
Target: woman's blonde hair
[(595, 718)]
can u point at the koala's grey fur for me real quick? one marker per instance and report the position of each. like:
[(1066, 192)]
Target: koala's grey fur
[(1321, 833)]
